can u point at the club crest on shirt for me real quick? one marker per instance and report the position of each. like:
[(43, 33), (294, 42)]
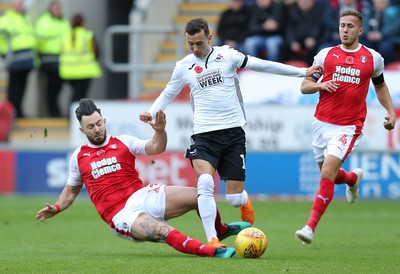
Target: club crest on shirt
[(349, 60), (210, 78), (219, 57), (363, 59)]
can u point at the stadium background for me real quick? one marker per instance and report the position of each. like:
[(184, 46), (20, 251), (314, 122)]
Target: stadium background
[(279, 161)]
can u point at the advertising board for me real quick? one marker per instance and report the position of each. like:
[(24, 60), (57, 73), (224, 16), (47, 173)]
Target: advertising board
[(270, 174)]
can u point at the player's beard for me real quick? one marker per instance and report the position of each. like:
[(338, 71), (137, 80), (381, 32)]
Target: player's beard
[(98, 141)]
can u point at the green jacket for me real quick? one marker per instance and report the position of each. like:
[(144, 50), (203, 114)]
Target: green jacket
[(17, 29), (49, 31), (77, 59)]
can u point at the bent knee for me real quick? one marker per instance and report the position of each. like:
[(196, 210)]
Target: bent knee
[(205, 185)]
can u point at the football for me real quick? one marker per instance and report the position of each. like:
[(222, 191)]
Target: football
[(251, 242)]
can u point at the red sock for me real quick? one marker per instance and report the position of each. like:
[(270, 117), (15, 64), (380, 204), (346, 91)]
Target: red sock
[(321, 202), (344, 177), (219, 226), (185, 244)]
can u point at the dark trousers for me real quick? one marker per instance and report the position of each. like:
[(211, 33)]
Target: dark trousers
[(53, 88), (17, 81), (80, 88)]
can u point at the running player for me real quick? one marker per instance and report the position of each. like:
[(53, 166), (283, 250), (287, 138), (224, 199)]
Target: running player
[(341, 112)]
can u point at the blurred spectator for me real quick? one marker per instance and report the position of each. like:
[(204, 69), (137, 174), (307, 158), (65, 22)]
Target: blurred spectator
[(331, 13), (50, 28), (288, 3), (265, 29), (232, 26), (20, 34), (303, 30), (78, 64), (382, 29)]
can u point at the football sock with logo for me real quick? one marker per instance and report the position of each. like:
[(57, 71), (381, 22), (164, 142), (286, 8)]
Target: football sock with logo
[(185, 244), (344, 177), (321, 202), (206, 205)]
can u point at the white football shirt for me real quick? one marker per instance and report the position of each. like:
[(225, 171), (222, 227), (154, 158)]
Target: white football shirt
[(215, 94)]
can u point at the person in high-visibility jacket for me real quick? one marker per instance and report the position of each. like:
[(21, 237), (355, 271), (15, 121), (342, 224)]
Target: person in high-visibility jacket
[(50, 27), (78, 63), (19, 43)]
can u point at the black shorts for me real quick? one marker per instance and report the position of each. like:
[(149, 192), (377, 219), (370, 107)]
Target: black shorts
[(224, 149)]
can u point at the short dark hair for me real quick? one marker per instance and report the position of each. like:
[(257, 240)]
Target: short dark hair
[(86, 107), (353, 13), (196, 25)]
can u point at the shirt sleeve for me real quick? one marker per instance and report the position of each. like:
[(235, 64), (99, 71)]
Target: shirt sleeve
[(74, 178), (136, 146), (379, 65), (257, 64), (173, 88)]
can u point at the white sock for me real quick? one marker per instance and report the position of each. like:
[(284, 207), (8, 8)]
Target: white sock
[(207, 205), (237, 199)]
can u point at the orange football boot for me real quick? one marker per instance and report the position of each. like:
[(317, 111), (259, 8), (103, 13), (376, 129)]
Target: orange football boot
[(247, 212), (215, 243)]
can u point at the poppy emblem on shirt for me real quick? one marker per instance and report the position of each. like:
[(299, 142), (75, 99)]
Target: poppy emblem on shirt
[(101, 152), (349, 60), (363, 59), (198, 69)]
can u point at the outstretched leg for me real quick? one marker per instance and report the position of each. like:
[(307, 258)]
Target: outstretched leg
[(147, 228)]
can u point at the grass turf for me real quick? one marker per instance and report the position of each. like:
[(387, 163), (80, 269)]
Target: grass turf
[(351, 238)]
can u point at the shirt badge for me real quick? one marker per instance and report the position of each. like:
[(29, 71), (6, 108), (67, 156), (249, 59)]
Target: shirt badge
[(198, 69), (349, 60), (363, 59)]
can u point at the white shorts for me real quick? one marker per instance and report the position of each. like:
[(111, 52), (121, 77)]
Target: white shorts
[(334, 140), (150, 199)]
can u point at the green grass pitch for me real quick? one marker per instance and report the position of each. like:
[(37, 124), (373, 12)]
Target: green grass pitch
[(363, 237)]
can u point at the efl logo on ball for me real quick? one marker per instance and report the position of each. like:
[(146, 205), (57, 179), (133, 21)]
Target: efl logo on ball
[(251, 243)]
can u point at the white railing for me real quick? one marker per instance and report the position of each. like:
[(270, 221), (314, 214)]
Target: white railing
[(135, 67)]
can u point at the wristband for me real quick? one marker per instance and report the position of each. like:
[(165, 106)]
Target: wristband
[(57, 206)]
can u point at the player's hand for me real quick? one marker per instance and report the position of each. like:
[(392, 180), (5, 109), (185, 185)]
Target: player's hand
[(390, 122), (145, 117), (47, 212), (315, 69), (159, 122), (330, 86)]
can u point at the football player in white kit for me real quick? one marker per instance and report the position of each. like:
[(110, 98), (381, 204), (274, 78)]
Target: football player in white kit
[(218, 140)]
